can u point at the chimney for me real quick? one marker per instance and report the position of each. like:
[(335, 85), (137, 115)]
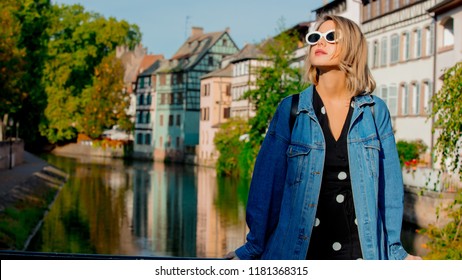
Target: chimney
[(197, 31)]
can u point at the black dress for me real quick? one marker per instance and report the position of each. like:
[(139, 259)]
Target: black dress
[(335, 231)]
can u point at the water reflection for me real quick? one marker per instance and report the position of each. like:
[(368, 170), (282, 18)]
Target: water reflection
[(141, 208), (150, 209)]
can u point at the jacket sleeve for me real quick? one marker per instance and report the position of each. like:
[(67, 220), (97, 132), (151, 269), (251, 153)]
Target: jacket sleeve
[(267, 185), (391, 189)]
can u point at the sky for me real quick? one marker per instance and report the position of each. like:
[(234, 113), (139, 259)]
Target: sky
[(165, 25)]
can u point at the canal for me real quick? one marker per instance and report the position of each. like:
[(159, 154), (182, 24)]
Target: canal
[(142, 208)]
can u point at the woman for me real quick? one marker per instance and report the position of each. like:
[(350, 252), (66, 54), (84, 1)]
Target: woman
[(332, 187)]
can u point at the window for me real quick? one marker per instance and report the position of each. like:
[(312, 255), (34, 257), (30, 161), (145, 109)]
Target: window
[(138, 117), (375, 55), (147, 139), (170, 120), (383, 51), (427, 94), (377, 7), (149, 99), (141, 101), (206, 90), (148, 117), (178, 142), (368, 11), (448, 32), (404, 100), (161, 142), (161, 120), (139, 138), (163, 79), (417, 43), (163, 98), (178, 120), (205, 114), (416, 98), (393, 100), (224, 42), (394, 55), (169, 141), (179, 99), (170, 98), (386, 8), (429, 40), (384, 94), (406, 46), (226, 113), (210, 60)]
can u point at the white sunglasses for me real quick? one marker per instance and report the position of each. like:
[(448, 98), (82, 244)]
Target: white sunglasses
[(312, 38)]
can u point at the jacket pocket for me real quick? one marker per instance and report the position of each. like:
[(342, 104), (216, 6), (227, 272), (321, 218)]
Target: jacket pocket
[(297, 161), (371, 152)]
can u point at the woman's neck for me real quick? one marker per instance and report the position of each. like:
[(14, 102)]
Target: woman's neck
[(332, 85)]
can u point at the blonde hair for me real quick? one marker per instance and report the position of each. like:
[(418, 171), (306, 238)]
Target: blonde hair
[(353, 56)]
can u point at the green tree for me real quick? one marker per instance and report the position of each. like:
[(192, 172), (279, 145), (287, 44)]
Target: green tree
[(447, 109), (276, 79), (79, 42), (446, 242), (12, 58), (104, 104), (34, 18), (229, 144), (274, 82)]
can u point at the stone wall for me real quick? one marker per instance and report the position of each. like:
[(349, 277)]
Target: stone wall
[(420, 206)]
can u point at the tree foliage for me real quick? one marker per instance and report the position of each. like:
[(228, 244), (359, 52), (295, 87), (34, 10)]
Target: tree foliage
[(104, 104), (34, 16), (228, 143), (446, 242), (23, 42), (12, 58), (447, 111), (276, 80), (80, 41)]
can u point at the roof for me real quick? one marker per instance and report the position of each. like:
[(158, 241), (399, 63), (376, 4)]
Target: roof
[(445, 6), (249, 51), (192, 50), (147, 61), (222, 72), (150, 70)]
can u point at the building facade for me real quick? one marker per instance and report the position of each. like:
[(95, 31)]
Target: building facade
[(215, 109), (145, 123), (401, 36), (178, 93), (244, 75)]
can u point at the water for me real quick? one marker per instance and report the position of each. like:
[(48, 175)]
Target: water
[(109, 206), (140, 208)]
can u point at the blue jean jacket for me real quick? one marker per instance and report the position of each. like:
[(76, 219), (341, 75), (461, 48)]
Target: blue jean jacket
[(287, 176)]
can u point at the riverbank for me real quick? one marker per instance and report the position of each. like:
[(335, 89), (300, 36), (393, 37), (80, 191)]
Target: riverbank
[(26, 192)]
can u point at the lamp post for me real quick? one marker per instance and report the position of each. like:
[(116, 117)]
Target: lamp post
[(10, 124)]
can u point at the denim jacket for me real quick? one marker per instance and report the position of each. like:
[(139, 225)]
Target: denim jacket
[(287, 177)]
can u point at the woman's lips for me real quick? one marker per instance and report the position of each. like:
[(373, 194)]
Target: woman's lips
[(319, 52)]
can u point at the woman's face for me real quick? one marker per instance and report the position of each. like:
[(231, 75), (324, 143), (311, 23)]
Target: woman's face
[(325, 55)]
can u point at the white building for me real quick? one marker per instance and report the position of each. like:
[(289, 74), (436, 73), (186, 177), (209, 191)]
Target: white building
[(401, 37)]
